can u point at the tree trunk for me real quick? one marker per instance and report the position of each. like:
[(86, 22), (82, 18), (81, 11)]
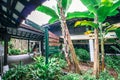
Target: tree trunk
[(65, 45), (67, 40), (96, 53), (102, 46)]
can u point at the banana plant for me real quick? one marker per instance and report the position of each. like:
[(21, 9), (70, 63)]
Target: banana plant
[(100, 9), (59, 13)]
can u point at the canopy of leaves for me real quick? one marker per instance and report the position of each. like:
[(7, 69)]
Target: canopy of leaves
[(102, 8)]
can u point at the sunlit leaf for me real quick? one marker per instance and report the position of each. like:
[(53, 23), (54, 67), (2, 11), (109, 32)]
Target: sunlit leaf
[(80, 15), (112, 28), (88, 32), (107, 3), (52, 20), (90, 4), (85, 23)]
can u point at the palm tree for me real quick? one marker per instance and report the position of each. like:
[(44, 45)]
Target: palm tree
[(100, 10), (62, 7)]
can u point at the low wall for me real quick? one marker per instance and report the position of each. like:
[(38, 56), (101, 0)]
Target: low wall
[(24, 58)]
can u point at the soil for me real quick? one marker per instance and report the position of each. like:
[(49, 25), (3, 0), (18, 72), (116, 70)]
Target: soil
[(85, 66)]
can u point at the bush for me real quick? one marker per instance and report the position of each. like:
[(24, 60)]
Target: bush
[(19, 72), (82, 54), (36, 71), (14, 51), (71, 76), (105, 76), (113, 62)]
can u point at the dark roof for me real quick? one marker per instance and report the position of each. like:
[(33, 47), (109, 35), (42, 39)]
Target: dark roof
[(12, 12), (23, 32)]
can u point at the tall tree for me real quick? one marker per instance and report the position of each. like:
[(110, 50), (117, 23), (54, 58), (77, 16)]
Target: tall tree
[(100, 10), (60, 14)]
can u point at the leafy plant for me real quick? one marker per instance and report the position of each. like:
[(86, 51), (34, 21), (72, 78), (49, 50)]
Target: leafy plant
[(113, 62), (71, 76), (19, 72), (83, 54), (105, 76), (51, 71), (14, 51)]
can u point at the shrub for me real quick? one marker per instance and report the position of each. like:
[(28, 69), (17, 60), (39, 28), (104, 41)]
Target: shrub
[(113, 62), (71, 76), (106, 76), (14, 51), (19, 72), (82, 54)]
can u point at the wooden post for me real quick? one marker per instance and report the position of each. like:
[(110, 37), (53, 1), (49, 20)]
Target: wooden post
[(5, 48)]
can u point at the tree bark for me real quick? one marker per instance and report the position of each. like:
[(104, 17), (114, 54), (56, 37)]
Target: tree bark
[(102, 46), (67, 40), (65, 45), (96, 53)]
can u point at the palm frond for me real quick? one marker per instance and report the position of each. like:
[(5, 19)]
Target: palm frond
[(80, 15), (47, 11), (85, 23)]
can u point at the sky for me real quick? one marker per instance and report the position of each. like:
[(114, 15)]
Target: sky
[(41, 18)]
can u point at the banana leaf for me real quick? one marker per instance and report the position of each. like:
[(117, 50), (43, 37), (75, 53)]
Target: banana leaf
[(85, 23), (47, 11), (80, 15)]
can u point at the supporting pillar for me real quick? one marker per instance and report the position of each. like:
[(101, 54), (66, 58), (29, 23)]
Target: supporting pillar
[(46, 44), (5, 49), (42, 46), (91, 49)]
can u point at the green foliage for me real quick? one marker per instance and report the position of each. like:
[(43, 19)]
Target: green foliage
[(102, 8), (37, 71), (17, 73), (88, 76), (14, 51), (82, 54), (105, 76), (71, 76), (113, 62), (90, 4), (117, 31), (66, 4), (79, 14), (86, 23), (49, 12), (24, 51), (42, 71)]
